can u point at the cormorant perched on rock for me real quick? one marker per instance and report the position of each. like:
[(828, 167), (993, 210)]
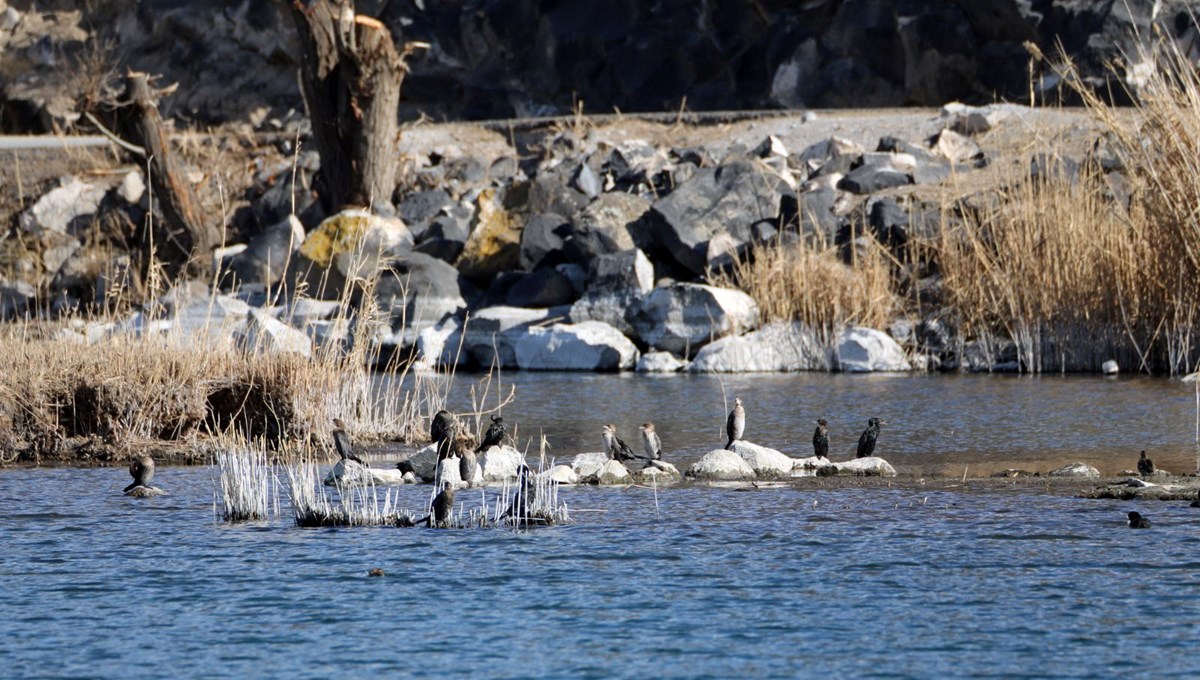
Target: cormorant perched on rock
[(494, 435), (523, 497), (142, 471), (735, 424), (650, 442), (615, 447), (1136, 521), (442, 431), (1145, 465), (467, 466), (341, 441), (821, 439), (442, 506), (866, 441)]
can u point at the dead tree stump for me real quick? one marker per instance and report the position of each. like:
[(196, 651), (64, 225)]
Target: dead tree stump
[(185, 241), (351, 76)]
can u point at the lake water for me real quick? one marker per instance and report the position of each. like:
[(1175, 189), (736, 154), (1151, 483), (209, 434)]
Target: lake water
[(692, 582)]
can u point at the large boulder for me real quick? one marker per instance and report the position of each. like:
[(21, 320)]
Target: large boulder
[(1078, 470), (660, 362), (608, 225), (587, 464), (860, 350), (721, 465), (355, 243), (500, 463), (546, 287), (611, 472), (775, 347), (441, 345), (266, 258), (491, 334), (542, 240), (615, 281), (684, 317), (729, 199), (418, 291), (869, 466), (587, 346), (765, 462), (64, 209), (346, 473), (560, 474), (495, 242), (264, 333), (658, 472), (424, 462)]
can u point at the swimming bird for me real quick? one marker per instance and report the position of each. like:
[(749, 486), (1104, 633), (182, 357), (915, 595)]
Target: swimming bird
[(650, 442), (1136, 521), (866, 441), (615, 447), (1145, 465), (341, 441), (467, 465), (735, 424), (142, 471), (494, 435), (442, 431), (821, 439), (441, 507)]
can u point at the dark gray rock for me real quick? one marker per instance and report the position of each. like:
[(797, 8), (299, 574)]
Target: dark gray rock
[(1054, 168), (543, 288), (288, 195), (443, 249), (868, 179), (266, 258), (16, 299), (728, 199), (550, 193), (418, 291), (418, 209), (810, 214), (610, 224), (542, 240), (889, 222)]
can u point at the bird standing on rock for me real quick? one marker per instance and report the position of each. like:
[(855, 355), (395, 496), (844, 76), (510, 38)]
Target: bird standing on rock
[(735, 424), (615, 447), (650, 442), (142, 471), (341, 441), (494, 435), (442, 431), (1145, 465), (866, 441), (1136, 521), (821, 439)]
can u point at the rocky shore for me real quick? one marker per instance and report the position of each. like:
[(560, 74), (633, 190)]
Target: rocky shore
[(596, 247)]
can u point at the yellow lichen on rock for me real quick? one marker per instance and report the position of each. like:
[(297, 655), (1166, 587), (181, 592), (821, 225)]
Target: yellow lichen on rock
[(356, 241), (337, 234), (495, 242)]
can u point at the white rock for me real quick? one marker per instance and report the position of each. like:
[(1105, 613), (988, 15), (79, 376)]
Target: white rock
[(500, 463), (440, 345), (493, 332), (775, 347), (448, 471), (660, 362), (806, 467), (765, 462), (563, 474), (871, 466), (1110, 367), (58, 208), (264, 333), (683, 317), (351, 473), (588, 464), (587, 346), (1077, 469), (132, 187), (612, 472), (860, 350), (658, 472), (721, 465)]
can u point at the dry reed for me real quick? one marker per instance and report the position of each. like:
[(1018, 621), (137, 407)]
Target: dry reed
[(247, 485)]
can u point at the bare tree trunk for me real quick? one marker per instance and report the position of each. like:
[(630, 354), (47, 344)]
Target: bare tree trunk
[(185, 241), (351, 77)]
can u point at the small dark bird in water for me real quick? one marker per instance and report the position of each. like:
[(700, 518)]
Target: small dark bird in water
[(615, 447), (821, 439), (1145, 465), (1136, 521), (650, 442), (441, 507), (1196, 503), (442, 432), (494, 436), (375, 572), (142, 471), (467, 465), (735, 424), (523, 497), (866, 441), (341, 441)]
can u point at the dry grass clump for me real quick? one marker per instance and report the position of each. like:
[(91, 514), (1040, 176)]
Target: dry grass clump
[(246, 484), (811, 283)]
